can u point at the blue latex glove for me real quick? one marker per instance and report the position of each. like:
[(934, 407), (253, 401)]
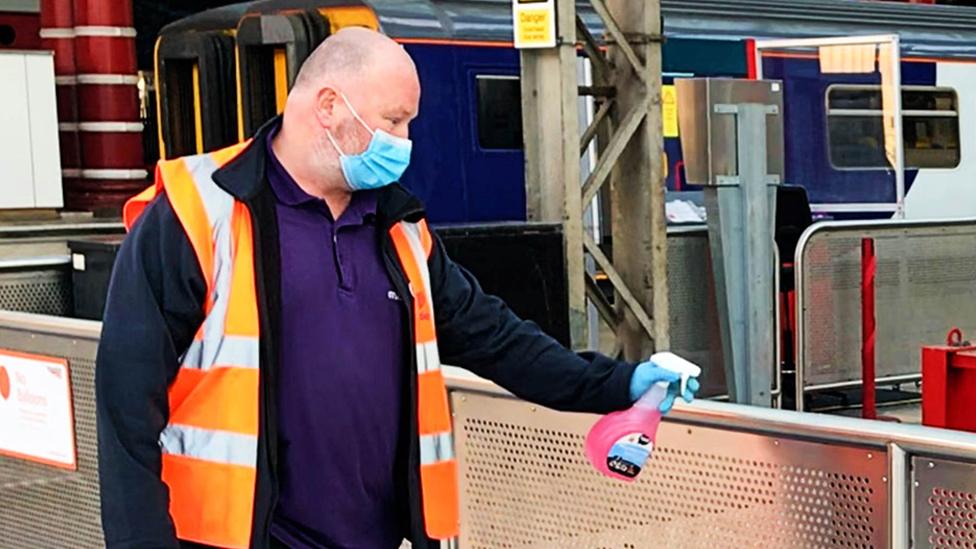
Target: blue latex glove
[(647, 374)]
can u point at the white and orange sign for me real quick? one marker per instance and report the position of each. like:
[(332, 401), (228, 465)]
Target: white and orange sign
[(36, 417)]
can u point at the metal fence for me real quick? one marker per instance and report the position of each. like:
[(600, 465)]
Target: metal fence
[(693, 310), (42, 506), (925, 285), (35, 264), (722, 475)]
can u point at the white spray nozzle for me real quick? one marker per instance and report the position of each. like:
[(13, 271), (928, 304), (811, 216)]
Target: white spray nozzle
[(678, 365)]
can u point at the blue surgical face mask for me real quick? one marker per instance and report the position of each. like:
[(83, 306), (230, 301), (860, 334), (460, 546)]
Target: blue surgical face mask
[(382, 163)]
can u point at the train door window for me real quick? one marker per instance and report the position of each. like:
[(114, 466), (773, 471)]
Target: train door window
[(179, 107), (855, 132), (260, 93), (499, 111)]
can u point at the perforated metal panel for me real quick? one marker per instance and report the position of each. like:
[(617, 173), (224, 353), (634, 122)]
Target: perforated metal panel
[(926, 284), (43, 506), (944, 504), (526, 483), (42, 291), (695, 331)]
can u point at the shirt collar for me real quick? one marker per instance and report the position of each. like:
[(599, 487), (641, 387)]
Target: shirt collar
[(286, 190)]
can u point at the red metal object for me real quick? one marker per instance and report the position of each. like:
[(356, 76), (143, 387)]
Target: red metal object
[(112, 150), (20, 31), (949, 384), (752, 71), (102, 13), (869, 268), (107, 102), (105, 54), (108, 107), (57, 33)]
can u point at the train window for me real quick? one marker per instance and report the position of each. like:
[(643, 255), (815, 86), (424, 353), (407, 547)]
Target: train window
[(499, 112), (178, 107), (930, 127)]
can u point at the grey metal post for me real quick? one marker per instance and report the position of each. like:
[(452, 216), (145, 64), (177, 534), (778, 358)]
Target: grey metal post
[(740, 221)]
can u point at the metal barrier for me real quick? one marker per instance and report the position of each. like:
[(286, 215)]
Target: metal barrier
[(926, 284), (723, 475), (35, 264), (694, 312), (42, 506), (37, 285)]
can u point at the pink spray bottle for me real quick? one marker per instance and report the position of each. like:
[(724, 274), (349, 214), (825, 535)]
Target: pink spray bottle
[(619, 444)]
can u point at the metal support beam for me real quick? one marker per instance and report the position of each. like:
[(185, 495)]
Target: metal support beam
[(637, 188), (552, 175), (740, 227)]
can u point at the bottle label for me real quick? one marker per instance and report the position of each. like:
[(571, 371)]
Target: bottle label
[(628, 455)]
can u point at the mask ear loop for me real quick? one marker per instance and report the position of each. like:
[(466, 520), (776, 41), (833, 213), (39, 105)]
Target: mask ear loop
[(328, 134), (356, 114)]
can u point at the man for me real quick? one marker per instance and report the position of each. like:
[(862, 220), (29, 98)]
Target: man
[(268, 373)]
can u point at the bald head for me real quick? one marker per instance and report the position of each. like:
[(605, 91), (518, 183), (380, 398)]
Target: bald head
[(350, 54)]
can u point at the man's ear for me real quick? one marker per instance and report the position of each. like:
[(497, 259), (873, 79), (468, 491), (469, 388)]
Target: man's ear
[(325, 103)]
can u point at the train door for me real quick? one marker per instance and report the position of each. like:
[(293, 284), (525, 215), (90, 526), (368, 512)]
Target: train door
[(437, 174), (493, 152)]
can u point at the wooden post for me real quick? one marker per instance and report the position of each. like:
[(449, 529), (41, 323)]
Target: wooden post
[(637, 183), (552, 174)]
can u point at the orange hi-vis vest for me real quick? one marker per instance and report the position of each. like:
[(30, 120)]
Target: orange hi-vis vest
[(209, 447)]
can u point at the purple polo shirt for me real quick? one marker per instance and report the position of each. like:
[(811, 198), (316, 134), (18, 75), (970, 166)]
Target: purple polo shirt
[(340, 374)]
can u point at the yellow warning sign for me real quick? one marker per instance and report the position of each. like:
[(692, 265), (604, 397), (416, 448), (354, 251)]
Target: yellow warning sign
[(535, 24), (669, 110)]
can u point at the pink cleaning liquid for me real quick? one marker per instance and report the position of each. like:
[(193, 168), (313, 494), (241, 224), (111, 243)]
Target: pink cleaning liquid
[(619, 444)]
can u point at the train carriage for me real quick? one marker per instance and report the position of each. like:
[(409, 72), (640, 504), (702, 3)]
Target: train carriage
[(468, 165)]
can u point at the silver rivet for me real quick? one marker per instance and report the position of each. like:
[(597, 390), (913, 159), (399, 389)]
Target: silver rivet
[(870, 456), (931, 465), (464, 398), (917, 484), (775, 443), (534, 408), (884, 479)]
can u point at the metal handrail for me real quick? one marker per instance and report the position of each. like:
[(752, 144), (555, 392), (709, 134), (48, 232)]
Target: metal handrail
[(798, 271), (53, 325), (35, 262), (915, 439), (57, 229)]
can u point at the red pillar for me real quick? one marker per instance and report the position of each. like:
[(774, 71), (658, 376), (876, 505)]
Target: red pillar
[(58, 35), (869, 268), (108, 101)]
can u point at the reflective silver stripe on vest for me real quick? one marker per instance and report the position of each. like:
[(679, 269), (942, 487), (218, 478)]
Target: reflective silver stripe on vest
[(434, 448), (211, 445), (428, 358), (238, 351), (215, 348)]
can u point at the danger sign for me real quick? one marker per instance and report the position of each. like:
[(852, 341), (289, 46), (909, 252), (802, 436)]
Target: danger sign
[(35, 409), (534, 23)]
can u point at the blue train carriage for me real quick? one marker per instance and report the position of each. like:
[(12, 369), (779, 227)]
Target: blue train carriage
[(832, 123), (469, 164)]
